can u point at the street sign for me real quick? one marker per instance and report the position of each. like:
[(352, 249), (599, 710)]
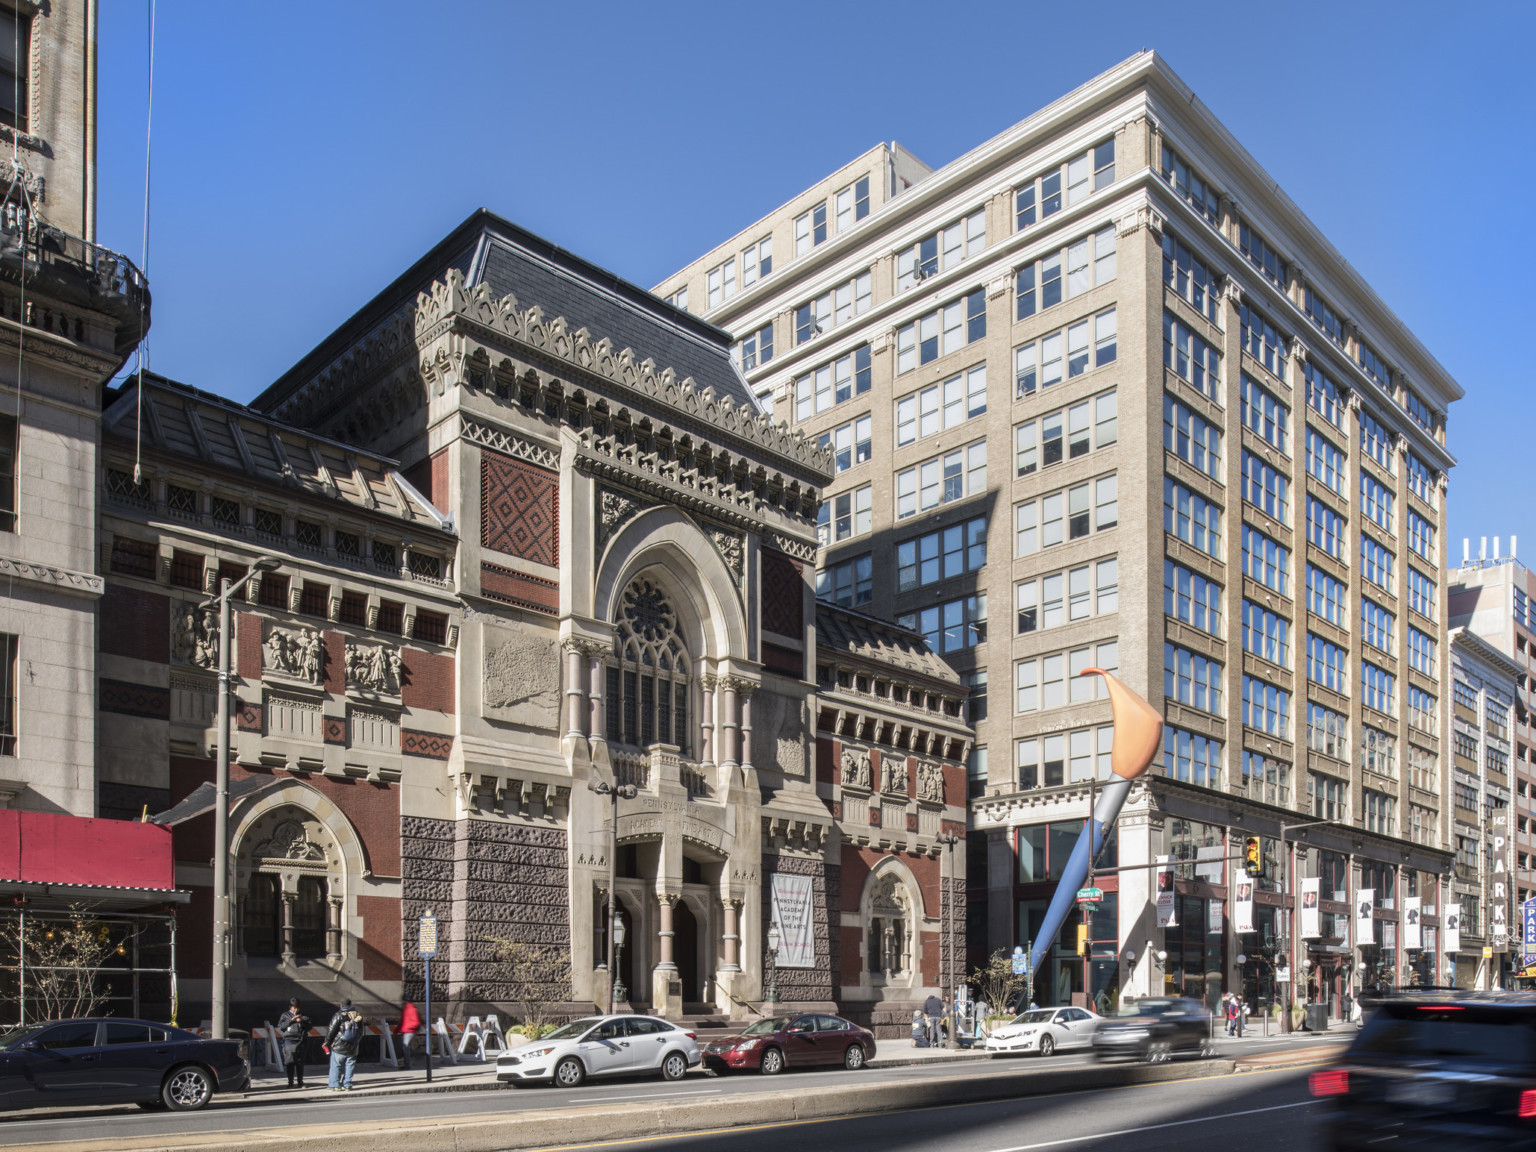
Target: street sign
[(1487, 953), (426, 937), (1089, 895), (1020, 961)]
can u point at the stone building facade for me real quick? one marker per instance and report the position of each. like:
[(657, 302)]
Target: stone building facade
[(1098, 392), (71, 312), (533, 536)]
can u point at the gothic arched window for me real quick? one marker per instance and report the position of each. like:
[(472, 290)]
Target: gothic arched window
[(309, 919), (648, 679), (262, 923)]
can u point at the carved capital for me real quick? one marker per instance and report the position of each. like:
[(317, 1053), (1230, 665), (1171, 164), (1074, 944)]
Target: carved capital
[(1298, 350), (1232, 290), (670, 899)]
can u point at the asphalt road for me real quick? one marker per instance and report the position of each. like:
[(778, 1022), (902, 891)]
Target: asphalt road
[(252, 1112), (1254, 1111)]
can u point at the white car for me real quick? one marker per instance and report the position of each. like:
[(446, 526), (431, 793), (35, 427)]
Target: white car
[(602, 1046), (1045, 1030)]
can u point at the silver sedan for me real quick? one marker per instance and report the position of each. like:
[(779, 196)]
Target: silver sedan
[(602, 1046), (1044, 1030)]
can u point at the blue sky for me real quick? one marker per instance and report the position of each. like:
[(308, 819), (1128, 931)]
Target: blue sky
[(300, 163)]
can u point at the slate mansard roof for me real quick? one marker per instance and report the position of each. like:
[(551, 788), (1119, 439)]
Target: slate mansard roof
[(846, 633), (508, 259)]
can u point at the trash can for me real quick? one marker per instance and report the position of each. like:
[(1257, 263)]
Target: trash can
[(1317, 1017)]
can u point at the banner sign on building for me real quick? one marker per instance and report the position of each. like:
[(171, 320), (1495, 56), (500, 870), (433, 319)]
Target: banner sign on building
[(1452, 922), (1213, 918), (1165, 892), (1311, 914), (1528, 926), (1242, 904), (1498, 913), (1365, 915), (1412, 933), (792, 904)]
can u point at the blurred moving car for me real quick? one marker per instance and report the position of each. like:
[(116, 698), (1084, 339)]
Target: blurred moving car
[(602, 1046), (1435, 1070), (1045, 1030), (1155, 1029), (810, 1039), (114, 1061)]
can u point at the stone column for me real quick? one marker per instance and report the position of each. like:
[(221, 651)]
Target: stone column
[(333, 929), (730, 723), (666, 987), (597, 723), (575, 704), (707, 721), (745, 697), (289, 900), (731, 937)]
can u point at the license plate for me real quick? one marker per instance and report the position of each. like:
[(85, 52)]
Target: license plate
[(1425, 1093)]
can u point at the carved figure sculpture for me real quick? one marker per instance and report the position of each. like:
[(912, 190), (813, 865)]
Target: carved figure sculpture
[(930, 782), (294, 652), (893, 775)]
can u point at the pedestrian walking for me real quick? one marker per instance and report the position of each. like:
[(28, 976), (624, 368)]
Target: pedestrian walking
[(292, 1028), (410, 1024), (343, 1037), (933, 1013), (1232, 1013)]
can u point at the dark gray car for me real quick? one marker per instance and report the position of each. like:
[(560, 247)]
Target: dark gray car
[(1156, 1028), (108, 1061)]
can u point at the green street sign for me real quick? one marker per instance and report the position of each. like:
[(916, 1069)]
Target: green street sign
[(1089, 895)]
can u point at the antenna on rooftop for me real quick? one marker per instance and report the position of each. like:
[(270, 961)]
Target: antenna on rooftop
[(1512, 540), (1482, 550), (1495, 547)]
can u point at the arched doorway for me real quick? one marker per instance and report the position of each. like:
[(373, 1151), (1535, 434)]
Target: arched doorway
[(685, 951)]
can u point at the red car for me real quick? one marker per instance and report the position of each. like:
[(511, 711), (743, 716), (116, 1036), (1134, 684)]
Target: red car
[(778, 1042)]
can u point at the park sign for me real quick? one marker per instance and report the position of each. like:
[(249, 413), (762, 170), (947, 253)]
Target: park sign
[(1089, 895), (426, 938)]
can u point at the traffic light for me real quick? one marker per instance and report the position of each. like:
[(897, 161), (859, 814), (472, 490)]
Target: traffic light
[(1082, 937), (1253, 863)]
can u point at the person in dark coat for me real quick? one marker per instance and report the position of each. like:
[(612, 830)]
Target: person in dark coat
[(933, 1009), (292, 1028), (343, 1037)]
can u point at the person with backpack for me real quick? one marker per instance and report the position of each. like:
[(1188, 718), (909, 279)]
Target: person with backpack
[(292, 1028), (343, 1038)]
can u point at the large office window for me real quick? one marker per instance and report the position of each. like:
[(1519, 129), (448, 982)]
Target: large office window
[(1187, 275), (1266, 487), (1266, 634), (1085, 263), (1070, 515), (1266, 707), (1261, 412), (941, 250), (941, 555), (1378, 627), (941, 406), (950, 627), (1053, 680), (1187, 183), (1327, 597), (952, 476), (1192, 679), (1191, 357), (1192, 518), (1376, 501), (938, 333), (1065, 435), (825, 312), (1191, 437), (1325, 528), (1327, 664), (1063, 597), (845, 515), (1063, 184), (1262, 340), (1191, 757), (1326, 462), (832, 383), (1266, 560), (848, 583), (1190, 597), (1375, 563)]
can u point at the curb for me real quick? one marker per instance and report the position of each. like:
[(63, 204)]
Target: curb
[(543, 1129)]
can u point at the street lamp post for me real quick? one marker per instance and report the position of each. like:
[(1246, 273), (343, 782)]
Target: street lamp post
[(774, 940), (219, 1008), (616, 989), (947, 842)]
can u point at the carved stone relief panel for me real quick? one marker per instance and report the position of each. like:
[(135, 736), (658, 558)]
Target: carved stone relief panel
[(930, 782), (855, 769), (195, 635), (520, 680), (373, 668), (779, 727), (297, 653)]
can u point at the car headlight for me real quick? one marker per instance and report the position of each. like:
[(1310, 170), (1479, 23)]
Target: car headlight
[(747, 1045), (530, 1054)]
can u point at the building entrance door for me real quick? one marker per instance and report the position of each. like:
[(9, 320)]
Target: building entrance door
[(685, 951)]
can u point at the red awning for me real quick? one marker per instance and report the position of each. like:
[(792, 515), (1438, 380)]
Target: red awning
[(45, 848)]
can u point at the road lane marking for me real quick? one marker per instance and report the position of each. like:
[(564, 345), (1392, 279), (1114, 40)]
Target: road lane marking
[(1150, 1127)]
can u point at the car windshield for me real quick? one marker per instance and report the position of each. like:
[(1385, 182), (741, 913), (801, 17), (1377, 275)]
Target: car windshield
[(1466, 1035), (764, 1027), (574, 1029), (16, 1035), (1038, 1016), (1150, 1008)]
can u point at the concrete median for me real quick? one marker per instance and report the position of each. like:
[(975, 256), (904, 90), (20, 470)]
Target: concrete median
[(544, 1128)]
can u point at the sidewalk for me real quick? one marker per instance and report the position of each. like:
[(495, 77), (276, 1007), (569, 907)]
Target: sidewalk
[(468, 1075)]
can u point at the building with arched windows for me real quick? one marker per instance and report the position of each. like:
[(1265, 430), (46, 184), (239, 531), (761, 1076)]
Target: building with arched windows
[(534, 536)]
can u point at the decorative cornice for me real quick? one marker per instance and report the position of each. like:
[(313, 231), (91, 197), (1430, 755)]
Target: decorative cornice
[(501, 440), (790, 546), (63, 579), (450, 298), (669, 492)]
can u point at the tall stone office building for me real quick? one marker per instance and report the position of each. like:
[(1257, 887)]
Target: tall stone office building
[(1099, 393)]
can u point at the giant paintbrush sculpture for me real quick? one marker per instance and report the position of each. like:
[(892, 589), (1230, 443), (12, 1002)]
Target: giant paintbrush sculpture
[(1138, 736)]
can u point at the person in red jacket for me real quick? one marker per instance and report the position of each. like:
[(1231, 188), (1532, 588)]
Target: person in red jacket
[(410, 1024)]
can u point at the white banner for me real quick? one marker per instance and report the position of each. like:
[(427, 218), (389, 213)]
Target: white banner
[(1242, 904), (1413, 936), (1165, 892), (1213, 918), (1365, 915), (1451, 921), (1209, 866), (792, 912), (1311, 915)]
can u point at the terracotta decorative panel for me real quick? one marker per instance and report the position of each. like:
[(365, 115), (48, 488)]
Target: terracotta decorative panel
[(783, 595), (428, 744), (519, 509), (497, 583)]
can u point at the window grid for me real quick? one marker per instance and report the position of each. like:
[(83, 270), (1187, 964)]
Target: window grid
[(1191, 358), (946, 329), (941, 406), (1192, 518), (951, 551), (1327, 664), (942, 479), (1378, 627), (1266, 488), (1266, 707), (941, 250), (1050, 681), (1326, 462), (1187, 275), (1264, 415), (1326, 597), (1262, 340), (820, 315), (1192, 679), (1064, 597), (1266, 634), (1201, 196), (1064, 435), (1325, 528), (1376, 501), (1266, 561), (833, 383), (1191, 598)]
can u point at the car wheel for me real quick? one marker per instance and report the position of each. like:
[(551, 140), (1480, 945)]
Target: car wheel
[(674, 1066), (187, 1088), (1207, 1049), (853, 1059), (1159, 1052), (772, 1062), (569, 1073), (1047, 1046)]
